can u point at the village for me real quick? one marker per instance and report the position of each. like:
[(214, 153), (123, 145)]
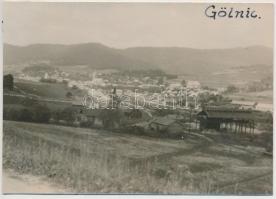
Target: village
[(155, 105), (144, 98), (165, 130)]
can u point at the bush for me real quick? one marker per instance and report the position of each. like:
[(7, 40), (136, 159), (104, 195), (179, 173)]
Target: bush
[(42, 114), (87, 124), (26, 115), (67, 114), (69, 95), (8, 82), (232, 89), (38, 113), (11, 114)]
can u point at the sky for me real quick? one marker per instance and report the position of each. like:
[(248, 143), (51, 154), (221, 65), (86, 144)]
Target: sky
[(123, 25)]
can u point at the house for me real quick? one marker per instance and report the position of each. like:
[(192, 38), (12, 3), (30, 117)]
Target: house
[(165, 125), (233, 119), (193, 84)]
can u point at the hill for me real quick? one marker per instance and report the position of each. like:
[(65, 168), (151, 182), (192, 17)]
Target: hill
[(170, 59), (91, 54), (73, 156), (191, 61)]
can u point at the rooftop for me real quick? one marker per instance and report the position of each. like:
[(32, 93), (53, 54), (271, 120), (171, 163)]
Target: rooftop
[(227, 113)]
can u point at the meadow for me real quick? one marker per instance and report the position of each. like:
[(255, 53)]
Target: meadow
[(98, 161), (56, 91)]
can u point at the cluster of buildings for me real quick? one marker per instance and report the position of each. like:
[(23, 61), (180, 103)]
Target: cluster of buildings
[(165, 92), (55, 76), (29, 77), (175, 124), (157, 90)]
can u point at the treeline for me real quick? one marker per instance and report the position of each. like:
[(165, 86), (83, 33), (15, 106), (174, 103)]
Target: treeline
[(68, 116), (39, 113)]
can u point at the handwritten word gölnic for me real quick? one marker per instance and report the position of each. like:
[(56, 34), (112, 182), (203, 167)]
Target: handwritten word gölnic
[(223, 12)]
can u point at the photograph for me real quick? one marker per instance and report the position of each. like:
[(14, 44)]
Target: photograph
[(138, 98)]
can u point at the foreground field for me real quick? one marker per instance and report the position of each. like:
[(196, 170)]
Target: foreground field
[(88, 160), (25, 183)]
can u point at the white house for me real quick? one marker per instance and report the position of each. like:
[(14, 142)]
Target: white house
[(193, 84)]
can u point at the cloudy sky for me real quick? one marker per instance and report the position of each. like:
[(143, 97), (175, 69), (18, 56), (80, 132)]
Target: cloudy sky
[(123, 25)]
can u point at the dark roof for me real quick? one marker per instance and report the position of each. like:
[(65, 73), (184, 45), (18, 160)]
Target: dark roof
[(227, 113)]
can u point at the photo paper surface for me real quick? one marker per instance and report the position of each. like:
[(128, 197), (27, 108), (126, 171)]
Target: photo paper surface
[(137, 98)]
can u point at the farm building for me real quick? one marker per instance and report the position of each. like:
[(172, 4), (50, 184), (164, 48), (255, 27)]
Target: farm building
[(165, 125), (218, 118)]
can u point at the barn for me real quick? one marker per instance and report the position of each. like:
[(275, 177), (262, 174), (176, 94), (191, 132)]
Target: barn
[(230, 119)]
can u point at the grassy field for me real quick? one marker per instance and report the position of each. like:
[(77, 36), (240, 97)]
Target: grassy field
[(47, 90), (260, 97), (88, 160)]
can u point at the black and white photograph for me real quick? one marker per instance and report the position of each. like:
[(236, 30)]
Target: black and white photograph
[(137, 98)]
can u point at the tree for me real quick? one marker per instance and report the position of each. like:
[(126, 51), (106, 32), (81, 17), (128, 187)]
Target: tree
[(68, 114), (8, 82), (110, 117), (231, 89), (69, 94), (56, 115), (26, 115), (74, 87), (10, 114), (184, 83), (41, 113), (160, 81)]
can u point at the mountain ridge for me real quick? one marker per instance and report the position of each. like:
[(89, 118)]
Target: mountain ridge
[(168, 59)]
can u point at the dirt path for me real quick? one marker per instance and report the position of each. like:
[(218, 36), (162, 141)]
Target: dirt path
[(15, 183)]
